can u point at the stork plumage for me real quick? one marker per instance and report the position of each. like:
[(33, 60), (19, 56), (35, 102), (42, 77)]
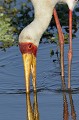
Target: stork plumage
[(29, 37)]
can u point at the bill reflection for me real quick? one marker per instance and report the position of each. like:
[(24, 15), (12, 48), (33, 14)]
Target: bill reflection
[(32, 109)]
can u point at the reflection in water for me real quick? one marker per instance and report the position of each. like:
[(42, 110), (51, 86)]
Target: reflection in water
[(65, 107), (73, 112), (65, 104), (32, 112)]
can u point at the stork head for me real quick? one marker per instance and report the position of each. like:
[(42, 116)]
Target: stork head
[(29, 51)]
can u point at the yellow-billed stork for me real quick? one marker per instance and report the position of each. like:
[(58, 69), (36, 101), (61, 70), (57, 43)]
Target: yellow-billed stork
[(29, 37)]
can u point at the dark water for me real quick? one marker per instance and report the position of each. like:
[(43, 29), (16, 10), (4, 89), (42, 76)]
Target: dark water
[(50, 103)]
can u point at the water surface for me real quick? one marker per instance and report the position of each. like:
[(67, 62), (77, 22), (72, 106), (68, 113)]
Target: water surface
[(52, 102)]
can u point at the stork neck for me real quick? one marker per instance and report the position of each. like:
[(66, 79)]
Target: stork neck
[(38, 26), (43, 13), (43, 10)]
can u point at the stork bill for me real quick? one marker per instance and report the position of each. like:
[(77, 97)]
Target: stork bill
[(29, 52)]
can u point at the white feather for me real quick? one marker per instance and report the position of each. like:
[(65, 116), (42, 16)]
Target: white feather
[(43, 10)]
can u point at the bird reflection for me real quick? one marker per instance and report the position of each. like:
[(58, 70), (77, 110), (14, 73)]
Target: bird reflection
[(65, 104), (73, 113), (66, 111), (32, 110)]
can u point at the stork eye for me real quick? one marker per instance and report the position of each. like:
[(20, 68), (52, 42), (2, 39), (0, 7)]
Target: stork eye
[(30, 46)]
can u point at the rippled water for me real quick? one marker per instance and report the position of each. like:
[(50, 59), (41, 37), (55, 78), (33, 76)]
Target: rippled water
[(50, 102)]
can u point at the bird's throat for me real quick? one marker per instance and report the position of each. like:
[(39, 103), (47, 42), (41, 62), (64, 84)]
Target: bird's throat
[(28, 47)]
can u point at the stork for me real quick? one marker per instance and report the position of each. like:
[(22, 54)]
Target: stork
[(29, 37)]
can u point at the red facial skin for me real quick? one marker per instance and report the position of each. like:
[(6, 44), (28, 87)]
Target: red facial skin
[(28, 47)]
